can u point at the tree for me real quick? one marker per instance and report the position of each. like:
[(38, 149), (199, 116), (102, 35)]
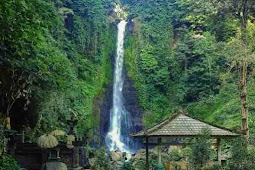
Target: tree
[(242, 158), (54, 57), (14, 85), (241, 59)]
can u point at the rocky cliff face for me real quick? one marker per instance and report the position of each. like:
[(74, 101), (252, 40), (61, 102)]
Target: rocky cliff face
[(105, 108), (130, 103)]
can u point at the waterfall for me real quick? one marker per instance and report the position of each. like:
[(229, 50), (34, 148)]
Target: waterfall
[(118, 136)]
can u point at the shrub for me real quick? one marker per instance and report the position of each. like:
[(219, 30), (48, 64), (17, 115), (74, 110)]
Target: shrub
[(2, 143), (160, 166), (7, 162), (200, 150), (242, 158), (127, 166), (101, 161)]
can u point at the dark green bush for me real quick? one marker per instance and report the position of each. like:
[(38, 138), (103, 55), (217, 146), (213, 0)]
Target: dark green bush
[(160, 166), (242, 158), (102, 160), (201, 151), (127, 166), (7, 162)]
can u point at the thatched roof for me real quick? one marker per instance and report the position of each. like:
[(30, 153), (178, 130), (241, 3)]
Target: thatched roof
[(58, 133), (183, 125), (47, 141)]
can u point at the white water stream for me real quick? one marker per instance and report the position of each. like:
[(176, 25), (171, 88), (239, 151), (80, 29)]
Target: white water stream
[(118, 135)]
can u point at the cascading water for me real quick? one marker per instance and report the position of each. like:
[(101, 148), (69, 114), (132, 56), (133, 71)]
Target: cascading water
[(118, 136)]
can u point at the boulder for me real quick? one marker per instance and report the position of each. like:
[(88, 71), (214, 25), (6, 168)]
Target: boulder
[(140, 154), (116, 155)]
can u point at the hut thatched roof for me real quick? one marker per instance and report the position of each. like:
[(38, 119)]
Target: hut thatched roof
[(183, 125), (47, 141), (58, 133)]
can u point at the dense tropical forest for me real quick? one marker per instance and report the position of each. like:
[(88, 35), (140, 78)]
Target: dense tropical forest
[(56, 64), (186, 54), (54, 57)]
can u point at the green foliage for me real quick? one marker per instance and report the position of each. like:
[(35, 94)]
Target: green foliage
[(102, 160), (2, 143), (176, 155), (147, 55), (160, 166), (181, 55), (127, 166), (195, 12), (62, 50), (9, 163), (239, 52), (201, 150), (140, 164), (198, 65), (241, 157)]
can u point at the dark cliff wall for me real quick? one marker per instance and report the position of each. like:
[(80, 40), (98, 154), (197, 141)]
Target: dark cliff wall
[(105, 108), (130, 103)]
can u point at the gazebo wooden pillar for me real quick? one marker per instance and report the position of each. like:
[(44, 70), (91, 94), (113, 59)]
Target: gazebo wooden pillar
[(147, 154), (159, 150), (182, 126), (219, 150)]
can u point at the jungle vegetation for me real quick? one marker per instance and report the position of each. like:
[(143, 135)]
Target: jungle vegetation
[(193, 55), (55, 61)]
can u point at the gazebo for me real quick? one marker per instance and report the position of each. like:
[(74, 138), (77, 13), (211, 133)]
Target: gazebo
[(181, 126)]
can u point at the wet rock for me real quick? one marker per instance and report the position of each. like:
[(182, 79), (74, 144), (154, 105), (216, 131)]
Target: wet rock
[(140, 154), (116, 156)]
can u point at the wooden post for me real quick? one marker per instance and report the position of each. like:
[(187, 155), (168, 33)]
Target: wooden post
[(77, 157), (8, 122), (83, 156), (73, 157), (159, 150), (147, 153), (23, 137), (219, 150), (58, 152)]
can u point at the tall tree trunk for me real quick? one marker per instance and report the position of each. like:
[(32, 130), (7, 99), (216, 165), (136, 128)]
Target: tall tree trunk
[(243, 75), (244, 98)]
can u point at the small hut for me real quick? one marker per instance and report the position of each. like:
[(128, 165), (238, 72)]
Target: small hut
[(181, 126)]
